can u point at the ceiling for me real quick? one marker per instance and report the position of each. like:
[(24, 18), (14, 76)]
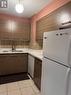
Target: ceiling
[(31, 7)]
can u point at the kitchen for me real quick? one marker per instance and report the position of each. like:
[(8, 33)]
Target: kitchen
[(22, 45)]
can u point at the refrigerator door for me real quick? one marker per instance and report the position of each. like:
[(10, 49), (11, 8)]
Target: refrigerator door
[(54, 78), (68, 90), (57, 46)]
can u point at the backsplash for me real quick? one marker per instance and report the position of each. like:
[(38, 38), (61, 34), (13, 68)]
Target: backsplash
[(18, 43), (36, 45)]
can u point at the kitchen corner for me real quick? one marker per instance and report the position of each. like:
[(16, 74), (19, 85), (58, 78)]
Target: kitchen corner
[(23, 61)]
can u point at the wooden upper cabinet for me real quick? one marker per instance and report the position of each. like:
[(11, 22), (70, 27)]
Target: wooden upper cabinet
[(21, 31), (14, 29), (52, 21), (47, 23), (5, 29)]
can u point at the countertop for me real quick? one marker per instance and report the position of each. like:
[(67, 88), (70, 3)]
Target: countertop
[(33, 52)]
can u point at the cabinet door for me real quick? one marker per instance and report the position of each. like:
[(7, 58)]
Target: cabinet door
[(47, 23), (31, 65), (21, 31), (37, 72), (13, 63), (5, 29), (17, 63)]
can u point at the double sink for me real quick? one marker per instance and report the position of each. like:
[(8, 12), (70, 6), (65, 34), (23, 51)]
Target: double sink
[(12, 51)]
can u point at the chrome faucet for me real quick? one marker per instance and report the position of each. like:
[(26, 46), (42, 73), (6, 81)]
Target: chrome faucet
[(13, 46)]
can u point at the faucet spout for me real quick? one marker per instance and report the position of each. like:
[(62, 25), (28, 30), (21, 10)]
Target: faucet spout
[(13, 46)]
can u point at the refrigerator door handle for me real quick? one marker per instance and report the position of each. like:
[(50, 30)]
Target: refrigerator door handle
[(67, 81)]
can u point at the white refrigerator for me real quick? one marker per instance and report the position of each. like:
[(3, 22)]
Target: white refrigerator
[(56, 64)]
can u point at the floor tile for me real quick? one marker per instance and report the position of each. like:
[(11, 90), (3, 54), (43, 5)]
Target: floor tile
[(3, 88), (4, 93), (12, 86), (14, 92), (31, 82), (24, 87), (38, 94), (25, 83), (27, 91), (36, 90)]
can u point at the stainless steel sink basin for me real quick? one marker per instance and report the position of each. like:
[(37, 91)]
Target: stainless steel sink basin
[(17, 51), (12, 51), (5, 51)]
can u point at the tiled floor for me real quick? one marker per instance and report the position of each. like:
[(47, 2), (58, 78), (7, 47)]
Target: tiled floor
[(24, 87)]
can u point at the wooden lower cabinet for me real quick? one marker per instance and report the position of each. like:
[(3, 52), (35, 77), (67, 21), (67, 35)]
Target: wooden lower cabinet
[(13, 63), (37, 72)]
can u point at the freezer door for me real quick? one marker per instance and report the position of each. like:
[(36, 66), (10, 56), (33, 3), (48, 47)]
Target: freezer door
[(57, 46), (55, 79), (68, 92)]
